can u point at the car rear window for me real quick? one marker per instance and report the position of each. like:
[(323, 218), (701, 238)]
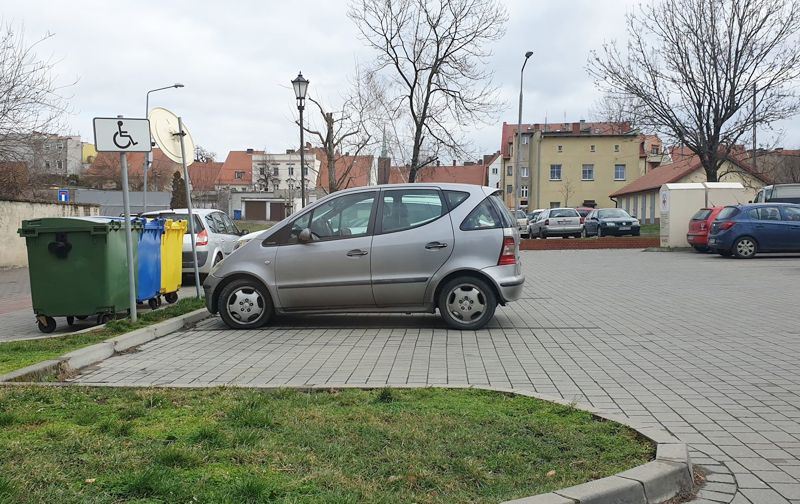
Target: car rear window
[(728, 213), (702, 214), (583, 212), (563, 212), (505, 213)]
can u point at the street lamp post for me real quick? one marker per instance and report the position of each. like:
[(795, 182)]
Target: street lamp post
[(300, 85), (290, 195), (519, 135), (148, 157)]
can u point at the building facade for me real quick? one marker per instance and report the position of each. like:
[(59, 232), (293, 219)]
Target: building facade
[(575, 164)]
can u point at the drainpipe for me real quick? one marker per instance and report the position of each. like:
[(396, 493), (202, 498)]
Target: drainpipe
[(616, 203)]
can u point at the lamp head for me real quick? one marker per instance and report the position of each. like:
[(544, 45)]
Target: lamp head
[(177, 85), (300, 85), (528, 54)]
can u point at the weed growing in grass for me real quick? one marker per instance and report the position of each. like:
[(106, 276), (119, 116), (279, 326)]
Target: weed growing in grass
[(173, 456), (385, 395)]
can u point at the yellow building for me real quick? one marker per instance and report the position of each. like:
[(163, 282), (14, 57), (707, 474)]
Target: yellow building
[(88, 153), (575, 164)]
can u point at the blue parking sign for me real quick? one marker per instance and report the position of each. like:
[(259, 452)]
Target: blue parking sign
[(63, 195)]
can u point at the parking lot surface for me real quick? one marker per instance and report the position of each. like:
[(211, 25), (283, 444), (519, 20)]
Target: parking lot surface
[(703, 346)]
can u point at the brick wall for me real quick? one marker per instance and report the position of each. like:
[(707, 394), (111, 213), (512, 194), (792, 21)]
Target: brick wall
[(634, 242)]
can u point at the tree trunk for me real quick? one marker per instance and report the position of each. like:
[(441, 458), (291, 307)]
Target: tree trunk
[(330, 153), (711, 167), (412, 173)]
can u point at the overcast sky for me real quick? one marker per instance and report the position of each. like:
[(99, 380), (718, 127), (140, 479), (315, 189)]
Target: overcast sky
[(237, 60)]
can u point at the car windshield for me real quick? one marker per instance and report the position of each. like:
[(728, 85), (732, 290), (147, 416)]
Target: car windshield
[(563, 212), (702, 214), (728, 213), (613, 213), (521, 215), (198, 226)]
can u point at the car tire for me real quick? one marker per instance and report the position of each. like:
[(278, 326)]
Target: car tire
[(584, 234), (745, 248), (461, 298), (542, 234), (245, 304)]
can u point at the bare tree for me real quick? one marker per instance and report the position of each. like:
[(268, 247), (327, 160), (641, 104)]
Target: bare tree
[(30, 103), (432, 63), (621, 112), (202, 155), (694, 66), (567, 190)]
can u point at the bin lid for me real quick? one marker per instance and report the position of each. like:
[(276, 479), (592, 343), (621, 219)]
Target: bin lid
[(178, 225), (95, 225)]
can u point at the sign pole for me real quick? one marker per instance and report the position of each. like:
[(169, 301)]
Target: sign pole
[(189, 207), (123, 163)]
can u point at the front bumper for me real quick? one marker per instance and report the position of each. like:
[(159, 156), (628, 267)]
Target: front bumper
[(616, 231)]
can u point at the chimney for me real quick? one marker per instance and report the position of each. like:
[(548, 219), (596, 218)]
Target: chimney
[(454, 162), (576, 128), (469, 163), (583, 124), (249, 150)]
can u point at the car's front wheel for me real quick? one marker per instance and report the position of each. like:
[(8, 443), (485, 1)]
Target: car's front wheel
[(745, 248), (245, 304), (467, 303)]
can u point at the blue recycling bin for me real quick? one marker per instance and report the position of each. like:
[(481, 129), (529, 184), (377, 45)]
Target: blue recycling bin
[(237, 215), (148, 286)]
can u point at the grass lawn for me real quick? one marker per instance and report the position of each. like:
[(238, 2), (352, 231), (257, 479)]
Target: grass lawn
[(18, 354), (650, 229), (74, 444), (252, 226)]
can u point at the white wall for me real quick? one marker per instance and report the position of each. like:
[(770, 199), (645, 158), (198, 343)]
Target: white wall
[(13, 252)]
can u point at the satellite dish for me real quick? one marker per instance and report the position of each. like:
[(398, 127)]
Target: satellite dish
[(164, 130)]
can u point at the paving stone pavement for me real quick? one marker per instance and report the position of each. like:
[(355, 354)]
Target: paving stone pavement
[(702, 346), (17, 321)]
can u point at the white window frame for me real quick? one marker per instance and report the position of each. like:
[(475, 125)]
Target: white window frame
[(583, 172), (560, 171), (592, 148), (523, 191), (560, 148), (624, 171), (616, 147), (523, 171)]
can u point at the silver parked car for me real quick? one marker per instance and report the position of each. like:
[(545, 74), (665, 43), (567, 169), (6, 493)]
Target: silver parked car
[(562, 222), (392, 248), (522, 223), (215, 236)]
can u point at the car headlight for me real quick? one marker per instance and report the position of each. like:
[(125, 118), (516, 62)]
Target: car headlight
[(610, 224), (636, 222)]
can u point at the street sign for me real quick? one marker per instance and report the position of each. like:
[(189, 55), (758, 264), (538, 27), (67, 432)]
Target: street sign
[(63, 195), (118, 134)]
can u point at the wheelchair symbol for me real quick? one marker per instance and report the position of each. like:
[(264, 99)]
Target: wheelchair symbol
[(120, 134)]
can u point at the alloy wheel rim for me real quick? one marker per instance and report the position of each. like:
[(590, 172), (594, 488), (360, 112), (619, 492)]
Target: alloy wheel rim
[(466, 303), (745, 248), (245, 305)]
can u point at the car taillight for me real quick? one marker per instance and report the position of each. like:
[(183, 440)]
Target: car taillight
[(508, 254), (202, 238), (726, 225), (547, 222), (582, 219)]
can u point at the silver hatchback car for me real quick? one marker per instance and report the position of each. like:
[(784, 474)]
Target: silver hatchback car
[(391, 248)]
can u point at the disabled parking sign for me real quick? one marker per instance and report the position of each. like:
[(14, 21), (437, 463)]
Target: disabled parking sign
[(121, 134)]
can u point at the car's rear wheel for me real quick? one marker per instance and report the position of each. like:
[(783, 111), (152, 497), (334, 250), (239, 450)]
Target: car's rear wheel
[(745, 248), (245, 304), (467, 303), (542, 234)]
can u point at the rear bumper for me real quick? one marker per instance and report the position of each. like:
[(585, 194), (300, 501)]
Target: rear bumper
[(700, 240), (509, 281), (562, 230)]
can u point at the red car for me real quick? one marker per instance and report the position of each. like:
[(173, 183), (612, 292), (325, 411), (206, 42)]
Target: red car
[(583, 212), (700, 226)]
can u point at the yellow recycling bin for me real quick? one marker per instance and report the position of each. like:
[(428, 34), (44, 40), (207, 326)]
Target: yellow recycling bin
[(172, 258)]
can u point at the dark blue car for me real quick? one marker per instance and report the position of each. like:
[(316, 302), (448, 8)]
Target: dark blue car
[(745, 230)]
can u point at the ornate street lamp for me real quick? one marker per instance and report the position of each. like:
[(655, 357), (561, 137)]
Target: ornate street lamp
[(300, 85)]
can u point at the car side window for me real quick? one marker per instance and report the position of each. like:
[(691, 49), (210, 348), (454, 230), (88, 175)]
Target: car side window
[(791, 214), (483, 216), (219, 222), (347, 216), (409, 208), (455, 198), (769, 213), (230, 227), (214, 225)]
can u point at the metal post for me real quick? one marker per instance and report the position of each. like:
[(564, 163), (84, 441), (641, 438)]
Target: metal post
[(189, 208), (146, 157), (123, 162), (754, 126), (302, 161), (519, 137)]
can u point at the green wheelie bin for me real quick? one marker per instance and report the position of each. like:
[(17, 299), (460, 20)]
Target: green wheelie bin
[(78, 268)]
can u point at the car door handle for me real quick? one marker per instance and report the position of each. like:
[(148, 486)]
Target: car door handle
[(356, 253), (435, 245)]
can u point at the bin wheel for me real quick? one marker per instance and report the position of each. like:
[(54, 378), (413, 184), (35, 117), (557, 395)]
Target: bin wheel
[(152, 303), (103, 318), (48, 326), (70, 320), (171, 297), (81, 317)]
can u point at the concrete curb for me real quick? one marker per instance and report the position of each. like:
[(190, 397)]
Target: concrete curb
[(101, 351)]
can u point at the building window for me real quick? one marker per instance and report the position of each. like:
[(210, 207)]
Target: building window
[(555, 204), (619, 172), (587, 172), (59, 165), (525, 139), (291, 170), (523, 171), (262, 170), (509, 189), (560, 148), (523, 191), (555, 172), (616, 147), (305, 171), (60, 146), (494, 171), (239, 175), (509, 170), (274, 171), (591, 148), (47, 165), (654, 149)]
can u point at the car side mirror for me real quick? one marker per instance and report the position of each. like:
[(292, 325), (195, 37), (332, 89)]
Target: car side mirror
[(304, 236), (243, 232)]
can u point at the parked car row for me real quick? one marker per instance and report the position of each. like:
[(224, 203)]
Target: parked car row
[(743, 231), (580, 222)]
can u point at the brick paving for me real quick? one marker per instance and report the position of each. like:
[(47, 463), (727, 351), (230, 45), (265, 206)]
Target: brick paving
[(702, 346)]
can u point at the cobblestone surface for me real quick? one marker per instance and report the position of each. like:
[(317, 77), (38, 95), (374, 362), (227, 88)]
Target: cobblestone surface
[(702, 346)]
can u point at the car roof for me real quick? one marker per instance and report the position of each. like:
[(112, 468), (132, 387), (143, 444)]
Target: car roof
[(196, 211), (472, 188), (767, 204)]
